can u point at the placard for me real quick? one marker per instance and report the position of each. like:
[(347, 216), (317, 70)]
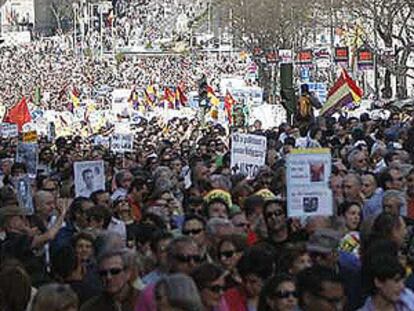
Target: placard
[(285, 56), (100, 140), (365, 58), (24, 194), (89, 177), (307, 174), (305, 57), (341, 55), (9, 130), (28, 154), (248, 153), (30, 137), (122, 143)]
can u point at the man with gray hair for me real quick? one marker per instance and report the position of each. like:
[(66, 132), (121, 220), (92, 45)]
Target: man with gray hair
[(115, 272), (395, 202), (357, 161), (352, 186)]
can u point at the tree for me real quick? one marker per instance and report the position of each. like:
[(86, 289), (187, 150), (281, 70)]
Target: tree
[(392, 22), (62, 10)]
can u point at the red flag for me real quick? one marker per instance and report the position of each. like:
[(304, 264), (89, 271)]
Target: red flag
[(18, 114), (228, 106), (180, 97), (169, 97)]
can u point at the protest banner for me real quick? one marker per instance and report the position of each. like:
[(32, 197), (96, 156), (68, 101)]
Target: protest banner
[(28, 154), (307, 174), (89, 177), (100, 140), (9, 130), (248, 153), (122, 143), (30, 137)]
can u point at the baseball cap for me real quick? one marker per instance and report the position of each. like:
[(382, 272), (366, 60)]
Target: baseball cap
[(323, 241)]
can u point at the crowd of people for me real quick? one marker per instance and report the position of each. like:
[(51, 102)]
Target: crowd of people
[(53, 70), (175, 228), (141, 22)]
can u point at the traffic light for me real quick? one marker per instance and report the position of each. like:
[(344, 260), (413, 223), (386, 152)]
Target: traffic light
[(287, 91)]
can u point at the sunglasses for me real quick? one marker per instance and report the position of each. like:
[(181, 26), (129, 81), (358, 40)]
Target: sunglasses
[(189, 258), (286, 294), (275, 213), (193, 232), (217, 289), (110, 272), (228, 254)]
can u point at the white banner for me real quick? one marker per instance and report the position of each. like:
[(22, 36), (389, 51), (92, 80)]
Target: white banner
[(9, 130), (122, 143), (248, 153), (307, 174)]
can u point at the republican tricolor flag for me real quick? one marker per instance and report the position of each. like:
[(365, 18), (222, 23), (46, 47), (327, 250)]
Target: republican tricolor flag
[(343, 93), (180, 98), (169, 98), (211, 95), (229, 102)]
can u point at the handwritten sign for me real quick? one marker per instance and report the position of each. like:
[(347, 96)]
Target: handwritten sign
[(248, 153)]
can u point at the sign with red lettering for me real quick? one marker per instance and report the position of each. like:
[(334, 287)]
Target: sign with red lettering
[(305, 57), (365, 58), (341, 55)]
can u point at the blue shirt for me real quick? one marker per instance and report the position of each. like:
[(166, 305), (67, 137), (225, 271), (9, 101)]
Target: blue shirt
[(373, 206)]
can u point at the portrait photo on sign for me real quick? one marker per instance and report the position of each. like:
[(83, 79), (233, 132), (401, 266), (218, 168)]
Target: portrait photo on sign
[(89, 177), (24, 194), (317, 171), (310, 204), (28, 154)]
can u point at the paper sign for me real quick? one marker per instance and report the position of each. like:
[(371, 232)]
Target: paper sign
[(30, 137), (28, 154), (308, 192), (89, 177), (122, 143), (9, 130), (100, 140), (248, 154), (24, 194)]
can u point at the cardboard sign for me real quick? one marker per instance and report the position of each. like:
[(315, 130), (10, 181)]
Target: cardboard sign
[(307, 174), (30, 137), (24, 194), (122, 143), (248, 154), (28, 153), (9, 130), (89, 177)]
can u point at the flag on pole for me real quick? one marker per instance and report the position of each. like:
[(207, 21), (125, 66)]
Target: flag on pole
[(356, 91), (180, 97), (343, 93), (18, 114), (228, 106), (169, 97), (150, 95), (74, 96), (214, 101)]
